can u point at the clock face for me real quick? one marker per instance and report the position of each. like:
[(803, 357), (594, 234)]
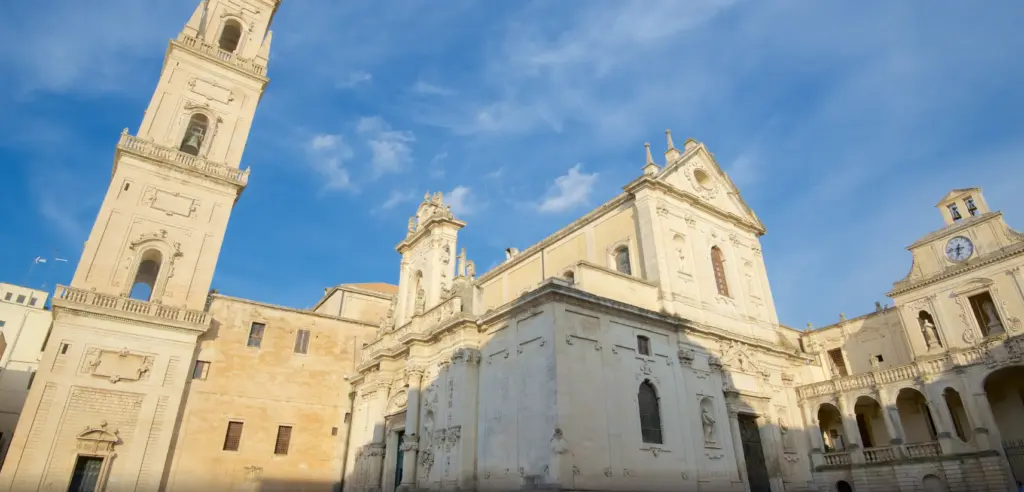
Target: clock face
[(959, 248)]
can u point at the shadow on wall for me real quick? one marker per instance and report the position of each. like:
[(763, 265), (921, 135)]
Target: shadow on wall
[(14, 386), (603, 415)]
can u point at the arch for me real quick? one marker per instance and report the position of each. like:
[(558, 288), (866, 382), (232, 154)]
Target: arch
[(230, 35), (871, 422), (147, 272), (843, 486), (417, 294), (718, 265), (915, 415), (957, 411), (649, 406), (928, 329), (195, 134), (621, 258), (830, 424), (932, 483), (1004, 389)]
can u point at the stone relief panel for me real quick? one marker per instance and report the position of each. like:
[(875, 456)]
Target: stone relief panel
[(170, 203), (116, 365)]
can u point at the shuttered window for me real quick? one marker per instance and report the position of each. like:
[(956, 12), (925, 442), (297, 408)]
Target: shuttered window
[(256, 334), (302, 342), (718, 264), (233, 437), (284, 439), (201, 369)]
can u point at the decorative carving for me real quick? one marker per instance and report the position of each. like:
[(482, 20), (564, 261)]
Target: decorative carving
[(690, 220), (421, 301), (575, 470), (558, 442), (466, 355), (410, 443), (253, 473), (655, 450), (714, 363), (117, 365), (453, 435), (608, 472), (98, 440), (398, 402)]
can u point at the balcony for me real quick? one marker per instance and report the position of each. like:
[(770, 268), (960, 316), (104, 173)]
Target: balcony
[(208, 50), (422, 325), (188, 319), (176, 158)]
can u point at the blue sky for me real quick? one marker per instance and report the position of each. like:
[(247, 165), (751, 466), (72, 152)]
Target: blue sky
[(841, 122)]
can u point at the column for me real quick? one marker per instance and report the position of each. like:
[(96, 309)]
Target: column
[(412, 429), (375, 450), (737, 446), (943, 431), (814, 433), (851, 433)]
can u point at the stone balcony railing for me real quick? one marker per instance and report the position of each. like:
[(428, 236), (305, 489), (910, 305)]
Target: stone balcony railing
[(177, 158), (881, 454), (837, 458), (202, 47), (909, 372), (422, 324), (884, 454), (132, 307)]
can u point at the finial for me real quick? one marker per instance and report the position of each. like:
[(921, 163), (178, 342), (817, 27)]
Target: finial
[(647, 147), (668, 136), (426, 197), (810, 326), (842, 316)]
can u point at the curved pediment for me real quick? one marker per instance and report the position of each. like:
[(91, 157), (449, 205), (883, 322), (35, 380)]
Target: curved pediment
[(398, 402), (98, 440)]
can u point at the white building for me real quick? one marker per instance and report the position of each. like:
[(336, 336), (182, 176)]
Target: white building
[(24, 323)]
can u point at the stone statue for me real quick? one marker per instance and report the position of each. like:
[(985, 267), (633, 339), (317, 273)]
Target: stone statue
[(709, 426), (930, 334), (994, 326), (412, 225), (388, 321), (470, 269), (682, 259), (461, 266), (421, 300)]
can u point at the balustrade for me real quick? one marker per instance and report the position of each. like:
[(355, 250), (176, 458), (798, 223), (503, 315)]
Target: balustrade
[(923, 449), (202, 47), (881, 454), (419, 325), (118, 303), (837, 458), (178, 158)]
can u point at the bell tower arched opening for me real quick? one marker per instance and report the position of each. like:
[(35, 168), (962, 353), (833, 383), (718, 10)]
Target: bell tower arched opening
[(195, 134), (146, 275)]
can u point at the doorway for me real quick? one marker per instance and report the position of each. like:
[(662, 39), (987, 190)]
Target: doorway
[(399, 457), (753, 453), (86, 474)]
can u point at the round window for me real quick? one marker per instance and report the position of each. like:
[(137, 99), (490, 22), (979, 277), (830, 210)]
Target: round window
[(703, 179)]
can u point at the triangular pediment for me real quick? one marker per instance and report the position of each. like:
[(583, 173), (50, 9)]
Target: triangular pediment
[(695, 172), (957, 193)]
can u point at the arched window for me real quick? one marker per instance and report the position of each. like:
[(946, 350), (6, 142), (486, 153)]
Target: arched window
[(650, 414), (718, 264), (146, 275), (622, 261), (230, 35), (195, 133)]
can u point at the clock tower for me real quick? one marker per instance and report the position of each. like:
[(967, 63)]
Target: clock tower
[(965, 285), (102, 410)]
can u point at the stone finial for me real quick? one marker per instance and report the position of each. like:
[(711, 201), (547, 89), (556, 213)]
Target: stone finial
[(649, 167), (842, 316), (810, 326), (878, 306), (668, 136)]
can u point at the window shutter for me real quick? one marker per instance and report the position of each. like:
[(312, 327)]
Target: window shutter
[(302, 342), (233, 438), (284, 439), (256, 334)]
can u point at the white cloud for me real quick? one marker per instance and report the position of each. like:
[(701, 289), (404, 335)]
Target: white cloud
[(354, 79), (397, 198), (428, 89), (462, 201), (326, 155), (390, 149), (495, 174), (571, 190)]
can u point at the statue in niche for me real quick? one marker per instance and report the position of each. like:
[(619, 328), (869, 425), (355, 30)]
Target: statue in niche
[(993, 325), (421, 300), (931, 334), (412, 225), (709, 426), (682, 259), (787, 443)]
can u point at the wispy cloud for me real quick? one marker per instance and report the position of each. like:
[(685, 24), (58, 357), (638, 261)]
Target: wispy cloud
[(326, 154), (462, 201), (396, 198), (354, 79), (428, 89), (391, 151), (569, 191)]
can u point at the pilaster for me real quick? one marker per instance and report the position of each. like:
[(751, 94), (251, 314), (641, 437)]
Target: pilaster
[(410, 447), (737, 446), (465, 375)]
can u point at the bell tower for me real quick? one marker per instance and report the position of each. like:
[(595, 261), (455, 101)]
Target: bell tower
[(117, 359)]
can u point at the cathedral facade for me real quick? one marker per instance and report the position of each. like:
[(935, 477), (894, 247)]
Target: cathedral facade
[(636, 349)]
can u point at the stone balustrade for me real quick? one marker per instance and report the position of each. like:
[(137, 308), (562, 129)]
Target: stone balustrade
[(136, 307), (202, 47), (175, 157), (837, 458), (422, 324), (881, 454), (923, 449)]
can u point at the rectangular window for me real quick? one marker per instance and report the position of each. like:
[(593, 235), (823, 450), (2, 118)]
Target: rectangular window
[(954, 212), (201, 369), (2, 323), (334, 431), (302, 342), (643, 345), (256, 334), (32, 301), (284, 439), (971, 208), (8, 296), (21, 299), (64, 348), (986, 314), (348, 417), (233, 437), (838, 364)]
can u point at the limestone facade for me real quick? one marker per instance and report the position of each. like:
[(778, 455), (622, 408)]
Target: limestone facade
[(636, 349), (24, 323)]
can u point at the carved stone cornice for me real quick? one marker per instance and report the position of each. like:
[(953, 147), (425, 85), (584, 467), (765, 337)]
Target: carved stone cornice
[(905, 286)]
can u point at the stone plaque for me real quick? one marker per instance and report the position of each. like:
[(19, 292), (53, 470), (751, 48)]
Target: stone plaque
[(172, 203), (116, 366)]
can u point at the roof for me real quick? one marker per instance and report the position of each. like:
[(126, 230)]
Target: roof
[(381, 287)]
